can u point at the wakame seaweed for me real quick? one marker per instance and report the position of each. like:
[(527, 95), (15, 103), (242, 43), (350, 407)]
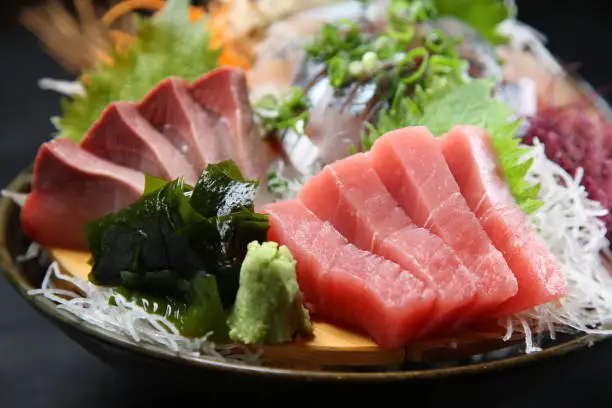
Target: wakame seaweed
[(202, 311), (174, 233)]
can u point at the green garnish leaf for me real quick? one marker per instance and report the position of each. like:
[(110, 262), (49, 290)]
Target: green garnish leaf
[(470, 104), (343, 36), (167, 44), (158, 244), (484, 16), (153, 183), (277, 183), (196, 316), (277, 114)]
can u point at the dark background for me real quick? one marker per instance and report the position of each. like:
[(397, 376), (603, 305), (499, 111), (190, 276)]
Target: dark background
[(40, 367)]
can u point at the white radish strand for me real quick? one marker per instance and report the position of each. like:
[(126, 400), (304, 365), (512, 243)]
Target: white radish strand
[(18, 198), (568, 222), (130, 320), (67, 88)]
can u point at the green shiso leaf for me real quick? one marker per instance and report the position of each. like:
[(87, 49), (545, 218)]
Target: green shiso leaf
[(469, 104), (484, 16), (167, 44)]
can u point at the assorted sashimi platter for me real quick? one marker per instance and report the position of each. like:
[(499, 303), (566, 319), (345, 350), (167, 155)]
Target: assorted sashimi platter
[(325, 182)]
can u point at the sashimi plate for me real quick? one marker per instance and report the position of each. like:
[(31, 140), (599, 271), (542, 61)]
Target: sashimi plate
[(422, 362), (46, 274)]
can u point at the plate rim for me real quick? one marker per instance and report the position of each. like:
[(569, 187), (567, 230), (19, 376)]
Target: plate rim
[(11, 272)]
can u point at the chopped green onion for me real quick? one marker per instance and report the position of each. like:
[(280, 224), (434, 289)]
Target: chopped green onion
[(370, 61), (338, 69), (403, 38), (409, 58), (436, 41), (356, 69), (447, 65), (276, 183)]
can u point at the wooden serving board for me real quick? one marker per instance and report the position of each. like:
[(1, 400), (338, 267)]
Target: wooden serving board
[(330, 345), (337, 346)]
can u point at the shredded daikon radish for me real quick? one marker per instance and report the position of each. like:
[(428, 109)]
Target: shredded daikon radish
[(18, 198), (32, 252), (68, 88), (568, 222), (127, 319)]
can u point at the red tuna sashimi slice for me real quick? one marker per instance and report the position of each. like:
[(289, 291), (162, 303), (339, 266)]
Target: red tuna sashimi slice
[(410, 163), (350, 195), (171, 110), (470, 156), (224, 91), (344, 284), (123, 136), (71, 187)]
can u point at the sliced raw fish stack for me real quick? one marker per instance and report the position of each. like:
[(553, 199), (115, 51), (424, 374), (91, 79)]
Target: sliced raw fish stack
[(439, 210), (350, 195), (224, 92), (176, 130), (123, 136), (470, 155), (346, 284), (71, 187), (410, 163), (171, 110)]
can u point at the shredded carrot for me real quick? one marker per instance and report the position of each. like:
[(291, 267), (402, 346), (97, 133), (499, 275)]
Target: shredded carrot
[(230, 52), (104, 57), (121, 40), (196, 13), (127, 6)]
